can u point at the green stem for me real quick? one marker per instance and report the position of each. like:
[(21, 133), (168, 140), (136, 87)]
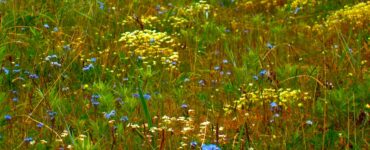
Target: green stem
[(145, 107)]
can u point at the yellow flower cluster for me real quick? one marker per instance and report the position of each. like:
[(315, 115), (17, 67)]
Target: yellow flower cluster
[(195, 9), (182, 125), (265, 5), (289, 95), (318, 28), (199, 7), (357, 16), (281, 96), (301, 3), (177, 21), (149, 21), (151, 46), (154, 21)]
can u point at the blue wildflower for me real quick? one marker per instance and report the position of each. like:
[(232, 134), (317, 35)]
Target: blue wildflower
[(255, 77), (40, 125), (15, 99), (193, 144), (52, 114), (276, 115), (95, 96), (297, 10), (135, 95), (8, 117), (55, 29), (46, 26), (222, 73), (56, 64), (225, 61), (227, 30), (184, 106), (67, 47), (6, 71), (201, 82), (210, 147), (17, 70), (110, 114), (269, 45), (273, 104), (147, 96), (33, 76), (88, 67), (94, 99), (93, 59), (124, 118), (95, 103), (28, 139), (50, 57), (263, 72), (217, 68), (101, 5)]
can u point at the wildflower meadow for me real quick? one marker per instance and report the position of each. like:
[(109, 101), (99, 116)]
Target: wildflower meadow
[(184, 74)]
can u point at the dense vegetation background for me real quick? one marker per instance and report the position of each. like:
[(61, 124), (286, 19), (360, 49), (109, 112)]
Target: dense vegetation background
[(216, 74)]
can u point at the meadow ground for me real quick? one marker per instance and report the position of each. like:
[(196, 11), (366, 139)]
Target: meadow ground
[(161, 74)]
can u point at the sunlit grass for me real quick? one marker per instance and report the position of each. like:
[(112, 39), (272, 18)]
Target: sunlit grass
[(227, 74)]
